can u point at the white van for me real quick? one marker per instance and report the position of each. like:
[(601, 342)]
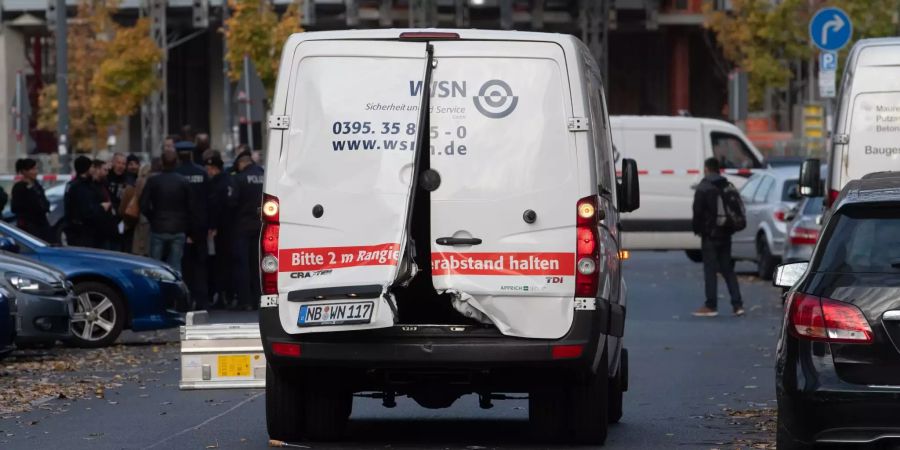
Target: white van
[(670, 152), (440, 219), (866, 135)]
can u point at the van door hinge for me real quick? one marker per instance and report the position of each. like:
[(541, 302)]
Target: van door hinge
[(842, 139), (279, 122), (578, 124), (585, 304)]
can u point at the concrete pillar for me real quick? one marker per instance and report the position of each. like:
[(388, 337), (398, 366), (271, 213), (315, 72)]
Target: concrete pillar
[(680, 74), (216, 102), (12, 58)]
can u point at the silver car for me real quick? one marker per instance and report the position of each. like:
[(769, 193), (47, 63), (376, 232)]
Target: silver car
[(768, 196), (803, 230)]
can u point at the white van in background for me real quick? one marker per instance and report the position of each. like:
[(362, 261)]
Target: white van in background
[(866, 136), (670, 152)]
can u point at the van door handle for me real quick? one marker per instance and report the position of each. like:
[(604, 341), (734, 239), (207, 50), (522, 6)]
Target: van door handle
[(457, 241)]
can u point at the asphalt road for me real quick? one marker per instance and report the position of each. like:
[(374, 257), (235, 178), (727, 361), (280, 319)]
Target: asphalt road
[(686, 375)]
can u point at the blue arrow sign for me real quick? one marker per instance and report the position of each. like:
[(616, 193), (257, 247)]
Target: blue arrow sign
[(830, 29)]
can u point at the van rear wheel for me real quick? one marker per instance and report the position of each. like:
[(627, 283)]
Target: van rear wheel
[(547, 410), (328, 402), (284, 404), (589, 412)]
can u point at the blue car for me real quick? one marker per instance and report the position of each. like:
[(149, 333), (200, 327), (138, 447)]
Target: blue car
[(7, 322), (115, 291)]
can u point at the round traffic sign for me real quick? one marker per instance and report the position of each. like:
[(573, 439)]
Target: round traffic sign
[(830, 29)]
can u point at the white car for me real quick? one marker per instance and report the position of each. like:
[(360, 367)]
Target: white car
[(441, 218), (670, 152)]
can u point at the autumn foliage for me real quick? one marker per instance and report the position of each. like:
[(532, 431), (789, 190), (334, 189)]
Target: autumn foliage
[(254, 29), (767, 38), (111, 72)]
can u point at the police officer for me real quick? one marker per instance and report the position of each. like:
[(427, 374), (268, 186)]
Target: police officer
[(29, 203), (248, 185), (83, 210), (196, 251), (221, 213)]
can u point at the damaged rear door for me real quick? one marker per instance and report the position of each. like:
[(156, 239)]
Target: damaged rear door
[(503, 218), (344, 180)]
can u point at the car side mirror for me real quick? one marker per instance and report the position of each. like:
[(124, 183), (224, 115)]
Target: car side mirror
[(629, 188), (787, 275), (811, 178), (8, 245)]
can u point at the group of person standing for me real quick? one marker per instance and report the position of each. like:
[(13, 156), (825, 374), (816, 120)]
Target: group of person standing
[(185, 208)]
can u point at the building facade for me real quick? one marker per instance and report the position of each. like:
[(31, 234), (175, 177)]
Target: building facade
[(657, 56)]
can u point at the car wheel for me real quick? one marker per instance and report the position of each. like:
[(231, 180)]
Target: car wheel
[(328, 403), (99, 315), (785, 441), (765, 261), (284, 404), (617, 386), (590, 407), (694, 255)]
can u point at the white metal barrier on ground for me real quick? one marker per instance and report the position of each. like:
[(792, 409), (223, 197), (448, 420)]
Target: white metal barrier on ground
[(220, 355)]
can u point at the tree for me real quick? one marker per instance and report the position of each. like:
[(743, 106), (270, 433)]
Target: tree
[(110, 73), (765, 38), (255, 30)]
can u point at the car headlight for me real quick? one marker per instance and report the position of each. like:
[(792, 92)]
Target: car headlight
[(156, 274), (29, 285)]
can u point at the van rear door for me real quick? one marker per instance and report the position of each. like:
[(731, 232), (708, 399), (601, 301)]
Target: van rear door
[(343, 180), (503, 218)]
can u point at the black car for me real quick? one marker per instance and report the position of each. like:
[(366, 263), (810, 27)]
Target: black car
[(838, 358)]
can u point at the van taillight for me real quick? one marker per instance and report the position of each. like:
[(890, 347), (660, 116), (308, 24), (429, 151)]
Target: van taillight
[(268, 255), (826, 320), (831, 198), (587, 251)]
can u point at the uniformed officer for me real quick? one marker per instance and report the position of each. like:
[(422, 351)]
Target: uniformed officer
[(248, 185), (196, 251), (221, 229)]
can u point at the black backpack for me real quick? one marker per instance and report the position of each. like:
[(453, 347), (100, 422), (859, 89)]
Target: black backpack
[(730, 213)]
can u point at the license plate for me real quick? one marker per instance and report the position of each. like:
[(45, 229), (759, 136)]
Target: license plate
[(233, 366), (335, 314)]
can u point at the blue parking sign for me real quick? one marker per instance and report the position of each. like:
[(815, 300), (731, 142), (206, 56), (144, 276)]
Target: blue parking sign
[(830, 29), (828, 61)]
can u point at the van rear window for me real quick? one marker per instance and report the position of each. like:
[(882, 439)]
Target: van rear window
[(874, 133), (862, 239)]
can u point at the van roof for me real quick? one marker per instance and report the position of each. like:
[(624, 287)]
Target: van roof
[(875, 52), (665, 122), (464, 34), (879, 187)]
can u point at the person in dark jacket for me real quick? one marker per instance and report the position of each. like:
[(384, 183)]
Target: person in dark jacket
[(117, 182), (248, 185), (221, 208), (84, 211), (196, 253), (715, 241), (167, 203), (106, 230), (29, 203), (133, 167)]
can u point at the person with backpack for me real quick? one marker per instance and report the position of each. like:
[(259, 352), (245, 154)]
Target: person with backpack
[(718, 214)]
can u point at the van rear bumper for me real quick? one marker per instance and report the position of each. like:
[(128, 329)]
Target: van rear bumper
[(437, 347)]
